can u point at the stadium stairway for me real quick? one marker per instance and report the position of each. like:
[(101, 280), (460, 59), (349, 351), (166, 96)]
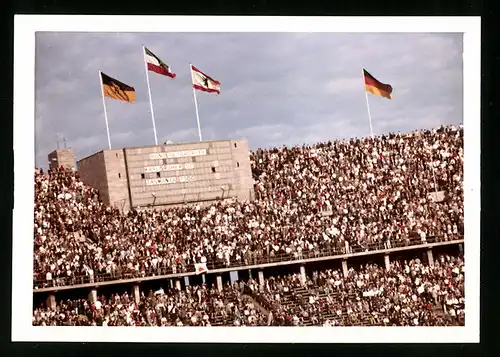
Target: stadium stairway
[(221, 321), (365, 317), (249, 299), (438, 311), (291, 301)]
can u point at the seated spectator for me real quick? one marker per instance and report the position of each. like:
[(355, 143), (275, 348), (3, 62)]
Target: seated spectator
[(410, 293), (193, 306), (331, 198)]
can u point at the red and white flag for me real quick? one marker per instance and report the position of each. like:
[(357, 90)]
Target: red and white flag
[(200, 268), (155, 64), (203, 82)]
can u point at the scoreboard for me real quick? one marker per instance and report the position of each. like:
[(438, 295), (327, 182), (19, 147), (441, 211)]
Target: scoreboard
[(182, 173)]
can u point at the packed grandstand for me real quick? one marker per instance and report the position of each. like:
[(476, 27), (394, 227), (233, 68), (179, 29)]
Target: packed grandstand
[(329, 199)]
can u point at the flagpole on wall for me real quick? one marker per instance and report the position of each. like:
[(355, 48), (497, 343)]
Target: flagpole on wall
[(367, 104), (149, 92), (105, 111), (195, 102)]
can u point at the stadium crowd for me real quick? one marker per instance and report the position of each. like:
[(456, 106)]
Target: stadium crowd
[(193, 306), (410, 293), (334, 197)]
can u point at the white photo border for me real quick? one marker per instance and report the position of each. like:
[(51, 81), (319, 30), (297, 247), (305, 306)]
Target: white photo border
[(25, 27)]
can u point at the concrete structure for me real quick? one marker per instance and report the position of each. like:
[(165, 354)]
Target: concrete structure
[(345, 269), (261, 278), (62, 157), (170, 175), (233, 276), (136, 293), (387, 261), (51, 302), (219, 283), (233, 271), (430, 258)]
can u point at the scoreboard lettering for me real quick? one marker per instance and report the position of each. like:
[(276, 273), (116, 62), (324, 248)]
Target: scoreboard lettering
[(172, 167), (176, 154), (169, 180)]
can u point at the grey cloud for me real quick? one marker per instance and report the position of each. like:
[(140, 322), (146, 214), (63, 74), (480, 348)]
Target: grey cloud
[(277, 88)]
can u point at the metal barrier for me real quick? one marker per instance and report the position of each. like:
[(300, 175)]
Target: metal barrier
[(255, 262)]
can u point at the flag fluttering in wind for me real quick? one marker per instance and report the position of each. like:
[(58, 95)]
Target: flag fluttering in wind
[(114, 89), (200, 268), (376, 87), (155, 64), (203, 82)]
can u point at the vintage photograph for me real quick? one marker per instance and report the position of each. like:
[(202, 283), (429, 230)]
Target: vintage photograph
[(249, 179)]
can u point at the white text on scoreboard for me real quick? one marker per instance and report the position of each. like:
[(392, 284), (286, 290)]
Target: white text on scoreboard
[(175, 154), (169, 180), (172, 167)]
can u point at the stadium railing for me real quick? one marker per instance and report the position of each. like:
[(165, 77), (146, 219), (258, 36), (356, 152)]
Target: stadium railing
[(373, 248)]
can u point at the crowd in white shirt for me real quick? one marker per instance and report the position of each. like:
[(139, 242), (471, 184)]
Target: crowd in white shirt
[(192, 306), (410, 293), (334, 197)]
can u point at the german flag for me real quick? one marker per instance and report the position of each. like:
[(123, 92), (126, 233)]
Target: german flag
[(115, 89), (373, 86)]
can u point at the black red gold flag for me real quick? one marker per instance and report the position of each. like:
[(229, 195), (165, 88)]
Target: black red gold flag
[(376, 87), (114, 89)]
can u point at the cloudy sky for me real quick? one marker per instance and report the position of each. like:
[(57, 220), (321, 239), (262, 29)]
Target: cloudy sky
[(276, 88)]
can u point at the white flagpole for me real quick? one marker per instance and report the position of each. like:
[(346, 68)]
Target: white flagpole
[(105, 111), (367, 104), (149, 92), (195, 102)]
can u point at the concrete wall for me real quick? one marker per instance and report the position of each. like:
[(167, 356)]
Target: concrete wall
[(176, 174), (170, 175), (116, 175), (62, 157), (92, 171), (242, 171)]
